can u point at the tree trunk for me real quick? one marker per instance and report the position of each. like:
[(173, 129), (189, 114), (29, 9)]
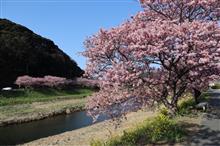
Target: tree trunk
[(196, 94), (172, 107)]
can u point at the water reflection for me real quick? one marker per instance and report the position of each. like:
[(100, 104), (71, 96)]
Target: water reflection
[(21, 133)]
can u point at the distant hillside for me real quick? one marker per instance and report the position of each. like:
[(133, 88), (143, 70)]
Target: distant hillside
[(22, 52)]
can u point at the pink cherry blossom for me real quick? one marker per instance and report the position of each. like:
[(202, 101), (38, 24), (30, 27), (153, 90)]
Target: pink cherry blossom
[(47, 81), (168, 49), (54, 82)]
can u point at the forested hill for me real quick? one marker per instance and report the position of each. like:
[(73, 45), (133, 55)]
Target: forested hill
[(22, 52)]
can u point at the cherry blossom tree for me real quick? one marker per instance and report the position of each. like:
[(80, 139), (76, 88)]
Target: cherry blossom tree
[(83, 82), (24, 81), (164, 51), (46, 81), (55, 82)]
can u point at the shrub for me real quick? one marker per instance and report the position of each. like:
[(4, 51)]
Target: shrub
[(164, 111), (185, 106), (95, 142), (156, 130)]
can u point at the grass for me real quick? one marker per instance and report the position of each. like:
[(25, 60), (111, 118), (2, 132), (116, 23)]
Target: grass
[(31, 104), (186, 105), (22, 111), (160, 129), (22, 96)]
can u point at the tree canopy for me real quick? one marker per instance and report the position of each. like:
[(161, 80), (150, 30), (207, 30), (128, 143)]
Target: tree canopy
[(161, 53)]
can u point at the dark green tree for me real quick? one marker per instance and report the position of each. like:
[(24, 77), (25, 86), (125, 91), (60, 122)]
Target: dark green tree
[(22, 52)]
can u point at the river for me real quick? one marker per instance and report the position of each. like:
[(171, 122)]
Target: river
[(26, 132)]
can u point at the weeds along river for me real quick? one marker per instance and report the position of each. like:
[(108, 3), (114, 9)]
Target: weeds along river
[(26, 132)]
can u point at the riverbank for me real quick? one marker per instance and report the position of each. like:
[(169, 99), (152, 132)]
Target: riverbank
[(201, 129), (106, 130), (17, 114), (41, 107), (102, 130)]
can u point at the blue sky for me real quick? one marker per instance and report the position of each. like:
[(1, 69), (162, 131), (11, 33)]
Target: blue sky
[(68, 22)]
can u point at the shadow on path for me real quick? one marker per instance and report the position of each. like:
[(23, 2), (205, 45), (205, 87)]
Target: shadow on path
[(200, 135), (212, 117), (207, 133)]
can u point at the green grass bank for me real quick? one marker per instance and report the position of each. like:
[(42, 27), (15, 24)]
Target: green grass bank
[(21, 105)]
